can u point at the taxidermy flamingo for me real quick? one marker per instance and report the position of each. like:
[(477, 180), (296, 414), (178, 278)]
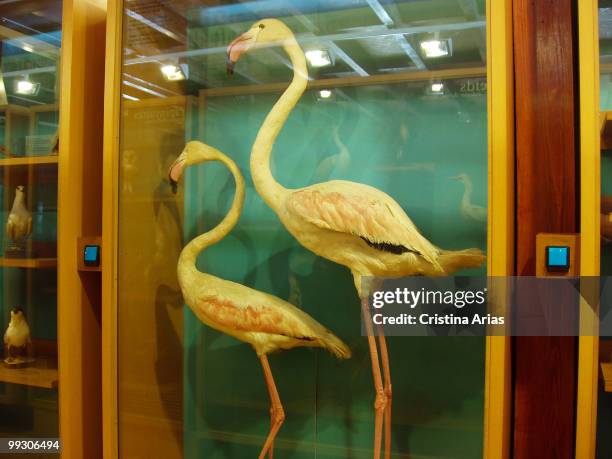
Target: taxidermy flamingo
[(264, 321), (350, 223), (468, 210)]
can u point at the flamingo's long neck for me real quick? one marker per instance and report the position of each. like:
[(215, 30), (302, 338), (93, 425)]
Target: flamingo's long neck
[(270, 190), (187, 260)]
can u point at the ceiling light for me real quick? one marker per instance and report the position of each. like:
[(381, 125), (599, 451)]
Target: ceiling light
[(325, 94), (26, 87), (27, 48), (437, 87), (318, 57), (436, 48), (172, 72)]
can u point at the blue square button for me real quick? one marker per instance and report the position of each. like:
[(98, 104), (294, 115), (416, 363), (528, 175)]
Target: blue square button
[(557, 258), (91, 255)]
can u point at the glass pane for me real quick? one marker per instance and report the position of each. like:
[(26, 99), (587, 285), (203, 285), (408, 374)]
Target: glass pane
[(395, 99), (604, 413), (30, 35)]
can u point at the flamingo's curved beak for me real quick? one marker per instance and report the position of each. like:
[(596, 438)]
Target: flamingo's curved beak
[(237, 48), (176, 172)]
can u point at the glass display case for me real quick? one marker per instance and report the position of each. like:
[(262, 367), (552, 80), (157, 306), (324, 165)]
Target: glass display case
[(29, 96), (595, 369), (397, 95)]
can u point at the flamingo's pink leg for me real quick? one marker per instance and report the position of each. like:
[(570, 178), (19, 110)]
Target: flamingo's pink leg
[(277, 414), (271, 450), (384, 357), (380, 401)]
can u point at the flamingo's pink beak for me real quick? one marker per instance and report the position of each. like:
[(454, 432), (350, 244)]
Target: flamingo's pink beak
[(237, 48), (176, 172)]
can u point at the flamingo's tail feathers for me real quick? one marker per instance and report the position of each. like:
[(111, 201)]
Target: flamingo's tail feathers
[(452, 261), (335, 345)]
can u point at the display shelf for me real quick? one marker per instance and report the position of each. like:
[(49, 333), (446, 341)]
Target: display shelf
[(28, 262), (43, 373), (606, 372), (387, 78), (28, 160)]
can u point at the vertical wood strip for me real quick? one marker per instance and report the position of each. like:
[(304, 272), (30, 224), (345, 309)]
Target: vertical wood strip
[(79, 214), (545, 367)]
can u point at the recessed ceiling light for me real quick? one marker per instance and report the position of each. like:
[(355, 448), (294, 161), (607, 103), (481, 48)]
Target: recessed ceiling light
[(437, 87), (325, 93), (27, 48), (318, 57), (26, 87), (436, 48), (172, 72)]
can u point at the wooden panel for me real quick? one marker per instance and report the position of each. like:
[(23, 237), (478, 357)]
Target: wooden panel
[(79, 214), (545, 367)]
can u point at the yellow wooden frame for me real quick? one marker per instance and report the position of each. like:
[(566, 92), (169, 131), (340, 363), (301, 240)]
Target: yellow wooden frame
[(110, 193), (590, 202), (497, 426), (500, 260), (80, 115)]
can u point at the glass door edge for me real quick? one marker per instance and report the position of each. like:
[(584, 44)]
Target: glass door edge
[(590, 197), (110, 185), (500, 94)]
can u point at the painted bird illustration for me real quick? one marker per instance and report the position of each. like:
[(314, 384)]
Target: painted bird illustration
[(19, 224), (264, 321), (469, 210), (17, 337), (353, 224)]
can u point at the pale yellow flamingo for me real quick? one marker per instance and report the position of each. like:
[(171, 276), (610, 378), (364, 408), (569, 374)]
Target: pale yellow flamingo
[(350, 223), (264, 321)]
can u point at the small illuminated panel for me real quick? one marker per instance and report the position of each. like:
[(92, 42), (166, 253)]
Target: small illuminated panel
[(557, 258), (91, 255)]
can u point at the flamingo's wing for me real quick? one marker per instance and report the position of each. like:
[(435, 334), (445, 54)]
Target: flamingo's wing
[(367, 213), (257, 312)]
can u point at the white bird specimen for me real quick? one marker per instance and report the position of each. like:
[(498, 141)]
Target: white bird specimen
[(468, 210), (350, 223), (264, 321), (19, 224), (16, 338)]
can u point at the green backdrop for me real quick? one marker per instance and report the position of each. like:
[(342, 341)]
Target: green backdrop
[(405, 142)]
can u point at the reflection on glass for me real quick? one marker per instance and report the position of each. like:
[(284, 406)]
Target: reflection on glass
[(30, 37), (395, 99), (604, 410)]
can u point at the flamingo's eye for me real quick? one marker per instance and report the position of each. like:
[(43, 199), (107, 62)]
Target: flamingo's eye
[(261, 26)]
